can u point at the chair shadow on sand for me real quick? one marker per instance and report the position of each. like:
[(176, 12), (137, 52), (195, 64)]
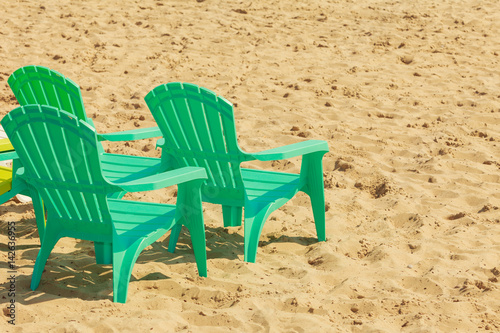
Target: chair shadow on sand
[(76, 274)]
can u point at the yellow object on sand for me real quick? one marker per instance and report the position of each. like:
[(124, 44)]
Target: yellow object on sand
[(5, 173), (5, 179), (5, 145)]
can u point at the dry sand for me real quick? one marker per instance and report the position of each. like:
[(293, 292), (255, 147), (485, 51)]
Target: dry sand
[(405, 92)]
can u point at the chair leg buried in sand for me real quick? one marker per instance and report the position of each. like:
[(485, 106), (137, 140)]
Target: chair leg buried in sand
[(62, 166), (198, 129)]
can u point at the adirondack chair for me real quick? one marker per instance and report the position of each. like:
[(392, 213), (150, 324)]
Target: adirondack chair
[(62, 165), (41, 85), (198, 130)]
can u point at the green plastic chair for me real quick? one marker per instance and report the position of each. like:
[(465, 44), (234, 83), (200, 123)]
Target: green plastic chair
[(41, 85), (62, 165), (198, 130)]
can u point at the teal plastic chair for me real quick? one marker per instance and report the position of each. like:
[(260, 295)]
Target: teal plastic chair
[(41, 85), (62, 165), (44, 86), (198, 130)]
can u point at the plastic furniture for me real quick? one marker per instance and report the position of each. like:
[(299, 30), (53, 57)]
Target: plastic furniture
[(198, 129), (62, 166)]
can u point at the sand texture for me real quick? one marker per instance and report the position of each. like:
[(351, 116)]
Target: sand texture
[(405, 92)]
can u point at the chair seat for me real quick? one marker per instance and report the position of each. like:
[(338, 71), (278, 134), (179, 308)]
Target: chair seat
[(138, 219), (121, 168), (268, 186), (5, 179)]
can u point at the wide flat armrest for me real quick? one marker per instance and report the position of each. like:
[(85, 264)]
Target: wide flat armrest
[(160, 142), (164, 179), (293, 150), (9, 155), (135, 134)]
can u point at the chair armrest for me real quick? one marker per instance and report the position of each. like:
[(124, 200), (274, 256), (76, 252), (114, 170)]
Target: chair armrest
[(293, 150), (135, 134), (160, 143), (9, 155), (164, 179)]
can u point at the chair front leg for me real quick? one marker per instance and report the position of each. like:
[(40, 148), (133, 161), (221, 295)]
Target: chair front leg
[(253, 224), (312, 170)]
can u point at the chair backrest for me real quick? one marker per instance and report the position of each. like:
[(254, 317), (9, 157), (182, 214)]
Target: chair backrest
[(44, 86), (199, 130), (61, 162)]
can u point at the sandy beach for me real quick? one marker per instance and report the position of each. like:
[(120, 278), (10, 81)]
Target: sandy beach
[(405, 92)]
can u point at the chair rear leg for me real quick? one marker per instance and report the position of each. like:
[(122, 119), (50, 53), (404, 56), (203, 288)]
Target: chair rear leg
[(313, 167), (232, 216), (317, 194), (39, 214), (48, 244), (103, 253), (190, 213), (197, 231), (318, 207), (174, 237)]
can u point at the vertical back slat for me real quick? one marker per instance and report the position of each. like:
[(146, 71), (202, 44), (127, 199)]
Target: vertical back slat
[(186, 118), (48, 138), (231, 139), (200, 125), (169, 133), (88, 166), (171, 120), (70, 168), (33, 140), (194, 95), (27, 95), (177, 127), (23, 142), (215, 129)]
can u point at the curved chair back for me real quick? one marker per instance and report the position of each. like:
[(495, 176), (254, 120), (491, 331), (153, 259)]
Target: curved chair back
[(44, 86), (61, 162), (199, 130)]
